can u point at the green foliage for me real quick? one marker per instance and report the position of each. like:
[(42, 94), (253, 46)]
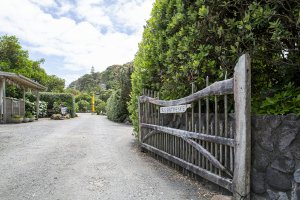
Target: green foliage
[(285, 101), (28, 114), (116, 107), (105, 94), (14, 91), (83, 96), (14, 59), (55, 84), (30, 107), (83, 106), (83, 102), (59, 99), (114, 78), (57, 105), (185, 41), (43, 109), (100, 107), (93, 82), (54, 100)]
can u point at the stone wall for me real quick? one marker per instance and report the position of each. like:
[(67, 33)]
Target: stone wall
[(275, 157)]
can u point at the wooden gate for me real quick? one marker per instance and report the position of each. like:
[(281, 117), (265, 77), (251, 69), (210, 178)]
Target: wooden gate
[(214, 145)]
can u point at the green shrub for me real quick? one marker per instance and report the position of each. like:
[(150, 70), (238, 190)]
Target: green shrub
[(83, 96), (284, 101), (30, 107), (116, 107), (83, 106), (83, 102), (57, 107), (43, 109), (59, 98), (28, 114), (100, 107), (54, 99)]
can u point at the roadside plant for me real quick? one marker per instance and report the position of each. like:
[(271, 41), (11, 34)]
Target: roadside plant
[(28, 114)]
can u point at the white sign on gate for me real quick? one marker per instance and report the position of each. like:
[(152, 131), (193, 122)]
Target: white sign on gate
[(175, 109)]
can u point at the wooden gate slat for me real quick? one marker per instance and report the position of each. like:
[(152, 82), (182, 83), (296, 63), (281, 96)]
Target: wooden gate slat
[(224, 182)]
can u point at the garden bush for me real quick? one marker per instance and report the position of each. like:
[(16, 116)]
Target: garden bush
[(54, 99), (59, 98), (100, 107), (83, 102), (116, 107), (31, 108), (83, 106)]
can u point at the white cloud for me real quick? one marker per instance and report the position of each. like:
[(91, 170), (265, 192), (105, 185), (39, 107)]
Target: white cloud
[(132, 13), (64, 8), (44, 3), (93, 12), (80, 43)]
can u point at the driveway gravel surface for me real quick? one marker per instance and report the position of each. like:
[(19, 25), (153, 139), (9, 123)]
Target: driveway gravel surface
[(85, 158)]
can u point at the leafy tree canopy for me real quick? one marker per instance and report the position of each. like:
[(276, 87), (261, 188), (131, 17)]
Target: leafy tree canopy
[(185, 41), (13, 58), (95, 81)]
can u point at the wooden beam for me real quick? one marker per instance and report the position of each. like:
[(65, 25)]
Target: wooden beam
[(217, 88), (199, 148), (242, 98), (223, 182), (151, 133), (188, 134), (208, 155)]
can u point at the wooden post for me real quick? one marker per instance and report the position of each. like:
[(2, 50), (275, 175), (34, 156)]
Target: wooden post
[(140, 127), (73, 106), (1, 97), (2, 100), (20, 103), (242, 98), (37, 104)]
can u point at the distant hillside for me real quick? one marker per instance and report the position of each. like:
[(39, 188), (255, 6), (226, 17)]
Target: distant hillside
[(95, 80)]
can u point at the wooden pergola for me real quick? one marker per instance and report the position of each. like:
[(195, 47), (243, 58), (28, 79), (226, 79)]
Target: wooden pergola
[(11, 106)]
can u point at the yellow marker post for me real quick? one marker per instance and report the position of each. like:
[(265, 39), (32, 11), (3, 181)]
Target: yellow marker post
[(93, 103)]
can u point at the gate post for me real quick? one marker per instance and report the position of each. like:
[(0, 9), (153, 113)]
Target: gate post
[(139, 115), (242, 99)]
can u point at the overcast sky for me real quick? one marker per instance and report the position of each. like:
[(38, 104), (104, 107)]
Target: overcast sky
[(74, 35)]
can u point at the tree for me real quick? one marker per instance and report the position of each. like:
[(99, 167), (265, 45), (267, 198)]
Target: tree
[(14, 59), (116, 108), (185, 41), (55, 84)]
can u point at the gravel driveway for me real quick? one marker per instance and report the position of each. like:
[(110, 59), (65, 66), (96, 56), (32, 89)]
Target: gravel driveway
[(84, 158)]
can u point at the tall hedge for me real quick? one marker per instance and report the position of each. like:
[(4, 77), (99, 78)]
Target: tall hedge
[(116, 108), (66, 98), (54, 99), (185, 41)]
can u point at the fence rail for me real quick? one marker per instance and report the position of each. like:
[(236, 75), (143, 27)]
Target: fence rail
[(211, 144)]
